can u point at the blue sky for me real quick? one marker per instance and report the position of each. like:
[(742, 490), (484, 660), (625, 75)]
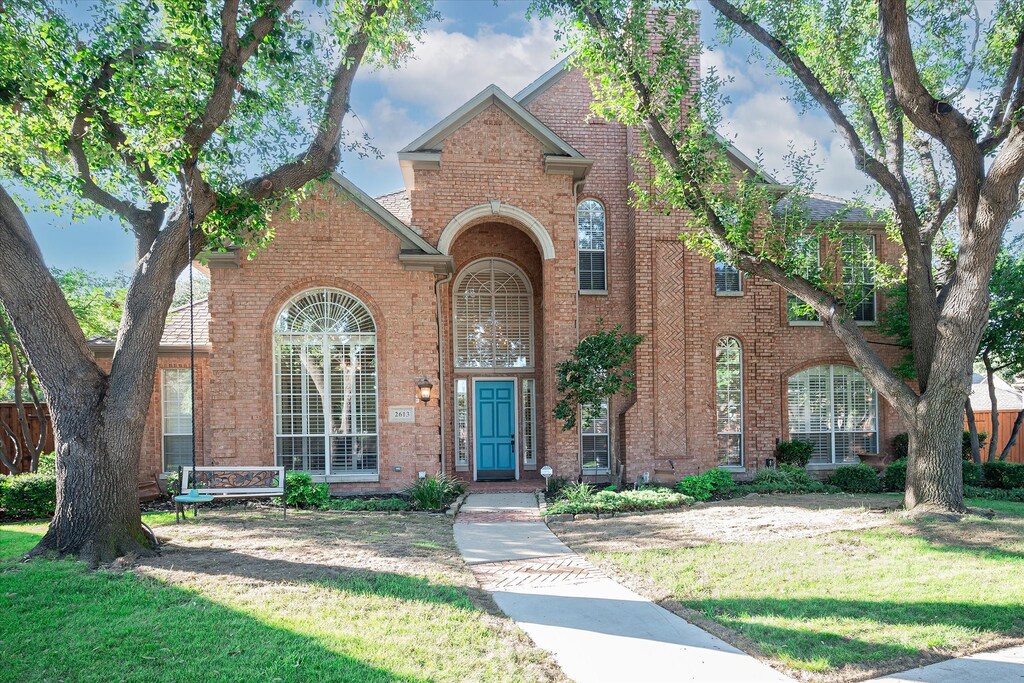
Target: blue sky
[(476, 43)]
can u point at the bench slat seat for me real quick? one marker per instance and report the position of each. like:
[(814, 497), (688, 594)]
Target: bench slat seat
[(233, 482)]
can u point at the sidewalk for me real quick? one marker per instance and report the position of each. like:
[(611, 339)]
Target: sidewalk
[(596, 629), (1001, 666)]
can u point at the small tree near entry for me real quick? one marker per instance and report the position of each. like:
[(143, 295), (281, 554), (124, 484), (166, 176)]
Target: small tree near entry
[(166, 114), (894, 87), (598, 368)]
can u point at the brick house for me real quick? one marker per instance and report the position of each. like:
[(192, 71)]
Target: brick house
[(512, 237)]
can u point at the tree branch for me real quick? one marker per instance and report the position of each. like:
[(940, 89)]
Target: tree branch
[(1004, 109)]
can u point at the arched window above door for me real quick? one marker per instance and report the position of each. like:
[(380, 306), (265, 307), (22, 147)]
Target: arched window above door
[(493, 311)]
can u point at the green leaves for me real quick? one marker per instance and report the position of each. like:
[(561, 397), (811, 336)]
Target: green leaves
[(596, 370)]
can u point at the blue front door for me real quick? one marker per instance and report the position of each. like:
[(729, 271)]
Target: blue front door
[(495, 418)]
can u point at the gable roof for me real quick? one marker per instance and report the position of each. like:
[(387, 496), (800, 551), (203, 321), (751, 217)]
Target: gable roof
[(411, 241), (431, 140), (1007, 397), (176, 330), (397, 204)]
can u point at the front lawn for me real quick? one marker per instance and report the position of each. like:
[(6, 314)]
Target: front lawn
[(243, 596), (876, 592)]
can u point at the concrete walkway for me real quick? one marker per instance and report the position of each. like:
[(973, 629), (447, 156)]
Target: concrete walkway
[(1001, 666), (596, 629)]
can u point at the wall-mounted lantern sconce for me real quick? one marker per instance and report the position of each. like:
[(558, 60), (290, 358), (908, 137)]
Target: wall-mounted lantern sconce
[(424, 388)]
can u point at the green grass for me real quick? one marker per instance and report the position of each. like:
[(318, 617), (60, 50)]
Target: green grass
[(61, 621), (857, 597)]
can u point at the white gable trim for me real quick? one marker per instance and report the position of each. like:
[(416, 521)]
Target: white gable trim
[(497, 208)]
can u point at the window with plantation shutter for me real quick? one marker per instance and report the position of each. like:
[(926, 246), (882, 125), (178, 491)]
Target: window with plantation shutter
[(493, 312), (176, 405), (729, 401), (727, 278), (836, 409), (590, 243), (325, 372)]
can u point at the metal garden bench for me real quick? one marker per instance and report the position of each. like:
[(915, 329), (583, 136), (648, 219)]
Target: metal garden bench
[(202, 484)]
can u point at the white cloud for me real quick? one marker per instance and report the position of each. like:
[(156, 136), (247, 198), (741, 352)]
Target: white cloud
[(449, 67)]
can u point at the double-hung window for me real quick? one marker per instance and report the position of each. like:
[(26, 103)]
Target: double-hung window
[(595, 442), (805, 251), (176, 410), (859, 275), (590, 243)]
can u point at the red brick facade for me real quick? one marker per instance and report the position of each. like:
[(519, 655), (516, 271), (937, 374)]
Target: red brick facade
[(493, 187)]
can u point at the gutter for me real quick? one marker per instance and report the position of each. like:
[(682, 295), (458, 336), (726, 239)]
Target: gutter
[(440, 363)]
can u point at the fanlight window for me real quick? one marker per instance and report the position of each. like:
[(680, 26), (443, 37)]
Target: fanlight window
[(493, 316), (835, 408), (325, 367)]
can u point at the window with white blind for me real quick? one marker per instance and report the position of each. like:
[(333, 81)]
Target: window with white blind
[(836, 409), (729, 401), (325, 381), (176, 410), (529, 424), (858, 254), (727, 278), (806, 252), (462, 424), (590, 245), (493, 311), (595, 442)]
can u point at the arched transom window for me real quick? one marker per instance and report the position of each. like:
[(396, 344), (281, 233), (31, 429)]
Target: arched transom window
[(493, 316), (729, 401), (835, 408), (325, 382), (590, 243)]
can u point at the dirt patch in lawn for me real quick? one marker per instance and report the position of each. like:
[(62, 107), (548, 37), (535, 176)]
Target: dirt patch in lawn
[(750, 519), (255, 549)]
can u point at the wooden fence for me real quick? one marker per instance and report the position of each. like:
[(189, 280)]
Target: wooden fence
[(9, 416), (1006, 418)]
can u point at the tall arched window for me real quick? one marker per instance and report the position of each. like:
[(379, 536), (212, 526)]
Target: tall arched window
[(590, 244), (493, 316), (729, 401), (325, 385), (835, 408)]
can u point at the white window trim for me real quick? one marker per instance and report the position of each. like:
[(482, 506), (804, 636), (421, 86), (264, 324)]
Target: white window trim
[(603, 252), (833, 463), (529, 387), (328, 475), (743, 407), (589, 471), (463, 455), (874, 285), (163, 417), (725, 292), (530, 361)]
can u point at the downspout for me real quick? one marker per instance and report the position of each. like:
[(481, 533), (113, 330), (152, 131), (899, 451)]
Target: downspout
[(440, 363), (576, 187)]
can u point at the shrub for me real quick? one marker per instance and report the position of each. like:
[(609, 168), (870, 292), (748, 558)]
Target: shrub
[(616, 501), (1003, 475), (703, 486), (577, 494), (972, 473), (392, 504), (435, 493), (47, 464), (856, 479), (895, 476), (1012, 495), (795, 452), (29, 495), (785, 479), (901, 446), (301, 492)]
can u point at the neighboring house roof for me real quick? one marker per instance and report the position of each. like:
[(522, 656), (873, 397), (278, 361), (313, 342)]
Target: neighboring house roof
[(1007, 398), (176, 327), (425, 151), (175, 336), (821, 207), (398, 204)]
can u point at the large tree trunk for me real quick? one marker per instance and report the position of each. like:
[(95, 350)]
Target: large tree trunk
[(934, 469), (97, 517)]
